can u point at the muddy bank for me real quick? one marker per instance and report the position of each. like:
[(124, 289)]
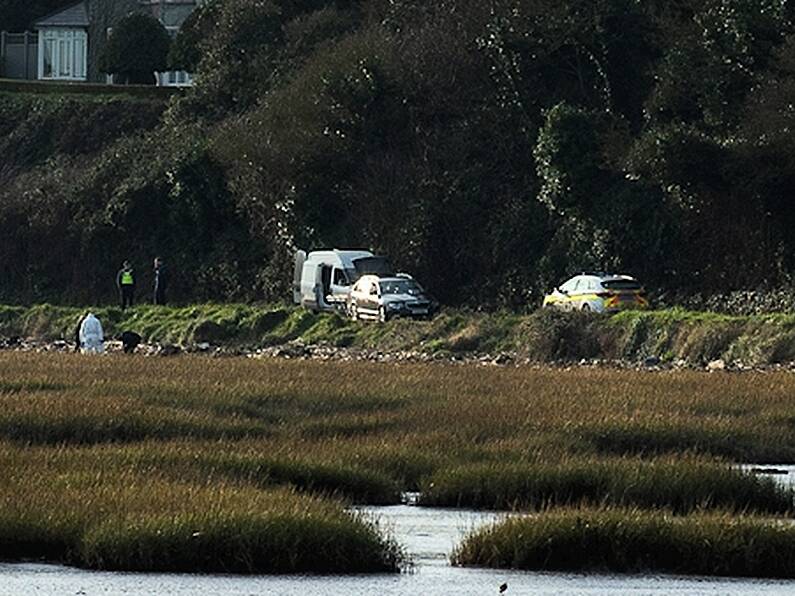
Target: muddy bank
[(298, 350)]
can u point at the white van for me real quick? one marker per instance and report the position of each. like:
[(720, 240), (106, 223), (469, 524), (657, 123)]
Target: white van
[(323, 279)]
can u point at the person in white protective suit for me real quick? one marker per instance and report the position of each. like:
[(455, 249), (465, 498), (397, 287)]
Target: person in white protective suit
[(91, 337)]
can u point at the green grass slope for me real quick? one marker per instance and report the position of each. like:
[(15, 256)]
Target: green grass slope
[(544, 336)]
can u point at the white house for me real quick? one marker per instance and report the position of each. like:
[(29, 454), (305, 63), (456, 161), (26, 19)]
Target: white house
[(63, 44), (70, 40)]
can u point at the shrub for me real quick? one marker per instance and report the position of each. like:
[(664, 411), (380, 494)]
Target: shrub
[(136, 49)]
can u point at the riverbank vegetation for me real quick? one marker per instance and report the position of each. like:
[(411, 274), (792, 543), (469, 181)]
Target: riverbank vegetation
[(101, 510), (691, 337), (199, 463), (634, 540), (676, 484)]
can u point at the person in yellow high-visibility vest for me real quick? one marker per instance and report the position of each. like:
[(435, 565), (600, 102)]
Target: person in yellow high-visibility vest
[(125, 281)]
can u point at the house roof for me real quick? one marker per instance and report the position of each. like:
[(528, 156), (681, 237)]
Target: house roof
[(75, 15)]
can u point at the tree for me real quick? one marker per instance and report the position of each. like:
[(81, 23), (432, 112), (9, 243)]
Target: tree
[(185, 53), (708, 70), (18, 15), (136, 49), (610, 219)]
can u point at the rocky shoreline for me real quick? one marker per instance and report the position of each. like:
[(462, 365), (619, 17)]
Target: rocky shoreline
[(299, 350)]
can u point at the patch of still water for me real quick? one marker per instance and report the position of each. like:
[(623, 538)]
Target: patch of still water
[(428, 535)]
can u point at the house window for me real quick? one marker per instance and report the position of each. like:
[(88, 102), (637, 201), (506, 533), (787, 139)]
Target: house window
[(62, 54)]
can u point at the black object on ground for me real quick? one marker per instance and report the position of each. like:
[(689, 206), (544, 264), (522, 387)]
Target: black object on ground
[(129, 341)]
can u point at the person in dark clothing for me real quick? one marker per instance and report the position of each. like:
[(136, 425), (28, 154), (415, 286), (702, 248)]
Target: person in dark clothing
[(129, 341), (125, 281), (161, 282), (77, 333)]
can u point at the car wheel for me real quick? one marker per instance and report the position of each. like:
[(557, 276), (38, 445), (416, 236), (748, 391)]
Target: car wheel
[(586, 307), (382, 316)]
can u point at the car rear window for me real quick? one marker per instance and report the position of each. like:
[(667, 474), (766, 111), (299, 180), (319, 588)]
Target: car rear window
[(621, 284)]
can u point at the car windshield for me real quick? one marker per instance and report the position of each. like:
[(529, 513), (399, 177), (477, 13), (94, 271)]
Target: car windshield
[(621, 284), (400, 286)]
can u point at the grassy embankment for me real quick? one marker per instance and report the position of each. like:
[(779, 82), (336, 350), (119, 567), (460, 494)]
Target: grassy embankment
[(241, 465), (85, 90), (544, 335)]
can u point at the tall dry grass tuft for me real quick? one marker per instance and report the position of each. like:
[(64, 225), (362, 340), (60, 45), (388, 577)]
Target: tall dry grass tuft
[(634, 540), (681, 485), (124, 517)]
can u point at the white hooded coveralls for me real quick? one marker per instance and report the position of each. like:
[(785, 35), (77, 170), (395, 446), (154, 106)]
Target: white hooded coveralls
[(91, 336)]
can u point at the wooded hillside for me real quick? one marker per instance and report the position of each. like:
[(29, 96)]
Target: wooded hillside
[(491, 147)]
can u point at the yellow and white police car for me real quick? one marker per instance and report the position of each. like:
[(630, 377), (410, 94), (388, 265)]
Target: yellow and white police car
[(598, 293)]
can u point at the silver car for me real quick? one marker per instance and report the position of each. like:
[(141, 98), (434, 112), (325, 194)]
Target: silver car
[(383, 298)]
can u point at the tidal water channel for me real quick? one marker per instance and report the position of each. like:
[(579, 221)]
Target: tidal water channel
[(428, 535)]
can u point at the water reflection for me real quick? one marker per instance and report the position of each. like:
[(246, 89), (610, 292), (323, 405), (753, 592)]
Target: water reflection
[(784, 474)]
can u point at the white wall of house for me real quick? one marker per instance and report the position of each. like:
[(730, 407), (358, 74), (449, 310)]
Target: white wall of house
[(63, 54), (174, 78)]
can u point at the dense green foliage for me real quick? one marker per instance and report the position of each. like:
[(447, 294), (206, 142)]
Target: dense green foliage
[(66, 90), (137, 47), (491, 148)]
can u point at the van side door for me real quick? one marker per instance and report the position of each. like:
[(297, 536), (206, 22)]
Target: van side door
[(340, 286), (310, 285)]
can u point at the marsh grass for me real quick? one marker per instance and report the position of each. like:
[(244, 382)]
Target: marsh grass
[(446, 414), (29, 386), (76, 420), (110, 509), (681, 485), (167, 527), (250, 542), (726, 438), (99, 454), (635, 540), (338, 480)]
